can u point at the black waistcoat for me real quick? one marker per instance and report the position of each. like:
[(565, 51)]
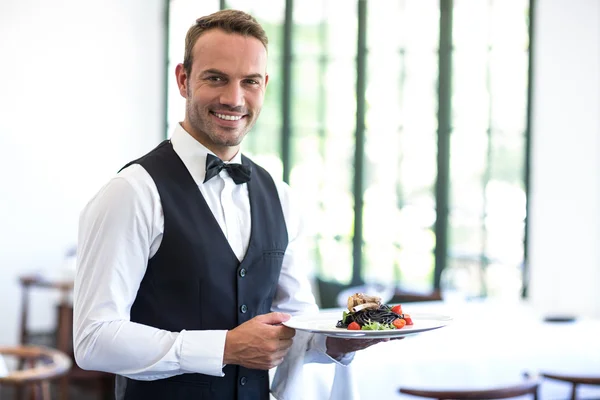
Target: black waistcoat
[(195, 281)]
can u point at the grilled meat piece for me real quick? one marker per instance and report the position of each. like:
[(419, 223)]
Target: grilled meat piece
[(361, 301)]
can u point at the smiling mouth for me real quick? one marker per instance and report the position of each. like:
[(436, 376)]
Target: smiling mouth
[(226, 117)]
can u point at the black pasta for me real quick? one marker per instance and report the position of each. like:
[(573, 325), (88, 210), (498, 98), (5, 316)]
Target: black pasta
[(382, 315)]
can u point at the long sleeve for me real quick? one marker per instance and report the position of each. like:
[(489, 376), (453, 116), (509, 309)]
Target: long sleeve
[(119, 230)]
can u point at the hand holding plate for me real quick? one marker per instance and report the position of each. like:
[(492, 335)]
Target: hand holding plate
[(260, 343)]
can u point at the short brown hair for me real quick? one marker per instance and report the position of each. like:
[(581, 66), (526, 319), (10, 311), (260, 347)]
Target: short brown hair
[(230, 21)]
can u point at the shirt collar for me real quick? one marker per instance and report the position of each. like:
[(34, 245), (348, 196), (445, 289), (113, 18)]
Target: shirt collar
[(193, 153)]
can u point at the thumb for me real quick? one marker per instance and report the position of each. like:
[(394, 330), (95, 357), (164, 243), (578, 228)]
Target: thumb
[(273, 318)]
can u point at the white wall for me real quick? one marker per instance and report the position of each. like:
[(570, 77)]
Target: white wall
[(565, 188), (81, 93)]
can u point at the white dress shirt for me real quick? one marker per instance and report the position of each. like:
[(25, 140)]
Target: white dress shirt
[(121, 228)]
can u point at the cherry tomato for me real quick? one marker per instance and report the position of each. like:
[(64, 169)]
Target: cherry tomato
[(399, 323), (397, 309), (408, 319), (354, 326)]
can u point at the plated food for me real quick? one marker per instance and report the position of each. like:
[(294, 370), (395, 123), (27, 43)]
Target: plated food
[(368, 313), (327, 322)]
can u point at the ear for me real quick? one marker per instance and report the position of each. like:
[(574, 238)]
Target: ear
[(182, 80), (266, 79)]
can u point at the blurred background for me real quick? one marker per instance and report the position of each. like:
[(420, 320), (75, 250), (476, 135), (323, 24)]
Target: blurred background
[(438, 146)]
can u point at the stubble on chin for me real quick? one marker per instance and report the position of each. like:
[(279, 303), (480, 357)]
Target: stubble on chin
[(211, 135), (227, 141)]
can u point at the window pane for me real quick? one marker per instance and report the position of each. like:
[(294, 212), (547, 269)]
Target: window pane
[(489, 103), (401, 120), (327, 201), (323, 121)]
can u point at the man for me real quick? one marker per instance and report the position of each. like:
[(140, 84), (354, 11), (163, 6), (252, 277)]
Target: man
[(187, 266)]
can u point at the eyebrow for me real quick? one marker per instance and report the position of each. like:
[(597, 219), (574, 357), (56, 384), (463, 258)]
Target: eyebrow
[(217, 72)]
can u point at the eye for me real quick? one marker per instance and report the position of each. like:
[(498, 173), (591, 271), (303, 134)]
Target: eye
[(215, 78), (252, 82)]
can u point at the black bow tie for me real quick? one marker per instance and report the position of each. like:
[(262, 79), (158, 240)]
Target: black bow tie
[(238, 172)]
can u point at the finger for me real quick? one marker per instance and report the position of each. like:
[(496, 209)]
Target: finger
[(286, 333), (273, 318), (277, 362), (285, 344), (274, 360), (363, 344), (280, 353), (375, 341)]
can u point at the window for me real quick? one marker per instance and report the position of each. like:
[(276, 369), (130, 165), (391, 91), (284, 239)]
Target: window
[(403, 127)]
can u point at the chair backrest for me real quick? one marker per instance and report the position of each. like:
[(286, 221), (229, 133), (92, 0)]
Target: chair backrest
[(528, 387), (34, 282), (44, 364), (574, 380), (47, 364)]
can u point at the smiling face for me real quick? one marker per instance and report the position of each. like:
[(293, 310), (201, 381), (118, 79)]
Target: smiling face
[(224, 90)]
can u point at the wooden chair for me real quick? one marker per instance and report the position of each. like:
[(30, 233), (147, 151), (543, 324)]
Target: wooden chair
[(527, 387), (28, 283), (574, 380), (44, 364), (61, 338)]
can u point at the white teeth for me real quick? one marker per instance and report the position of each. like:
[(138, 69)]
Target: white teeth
[(229, 117)]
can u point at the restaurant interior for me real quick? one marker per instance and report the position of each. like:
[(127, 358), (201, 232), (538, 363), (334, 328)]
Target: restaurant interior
[(445, 153)]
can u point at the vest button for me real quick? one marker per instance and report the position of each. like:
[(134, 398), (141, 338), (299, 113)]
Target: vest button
[(243, 380), (244, 308), (243, 272)]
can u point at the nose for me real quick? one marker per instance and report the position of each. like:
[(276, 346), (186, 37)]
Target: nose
[(232, 95)]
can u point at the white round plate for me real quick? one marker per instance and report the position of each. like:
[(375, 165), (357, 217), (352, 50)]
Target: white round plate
[(325, 323)]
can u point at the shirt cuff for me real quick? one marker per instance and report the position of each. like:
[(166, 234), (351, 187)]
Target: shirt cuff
[(202, 352), (317, 352)]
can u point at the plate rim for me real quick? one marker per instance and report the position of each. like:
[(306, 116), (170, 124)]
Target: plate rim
[(443, 320)]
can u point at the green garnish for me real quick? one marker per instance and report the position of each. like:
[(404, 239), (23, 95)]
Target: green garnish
[(377, 326), (344, 316)]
